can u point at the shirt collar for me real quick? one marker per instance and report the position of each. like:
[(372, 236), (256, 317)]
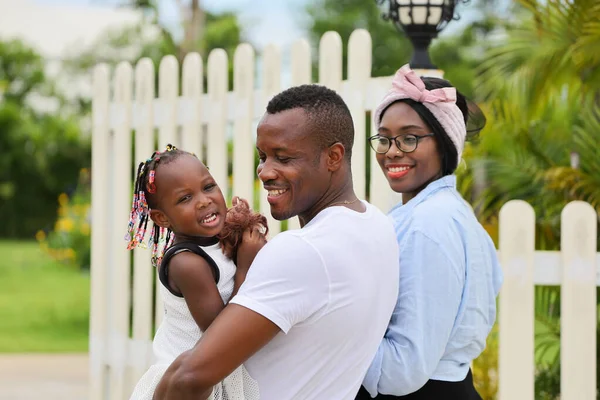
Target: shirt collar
[(448, 181)]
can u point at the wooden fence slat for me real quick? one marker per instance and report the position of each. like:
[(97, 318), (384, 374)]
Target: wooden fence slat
[(143, 272), (191, 96), (516, 309), (301, 70), (168, 91), (301, 65), (99, 234), (216, 154), (359, 73), (271, 86), (120, 264), (243, 137), (578, 314), (330, 61), (380, 193)]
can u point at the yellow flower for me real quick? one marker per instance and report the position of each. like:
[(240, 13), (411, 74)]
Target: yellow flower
[(70, 254), (64, 225), (85, 228), (63, 199), (40, 236)]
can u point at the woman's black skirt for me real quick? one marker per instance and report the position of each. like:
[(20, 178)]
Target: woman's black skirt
[(434, 390)]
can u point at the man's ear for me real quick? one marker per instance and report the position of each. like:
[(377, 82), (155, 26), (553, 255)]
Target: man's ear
[(335, 156), (159, 218)]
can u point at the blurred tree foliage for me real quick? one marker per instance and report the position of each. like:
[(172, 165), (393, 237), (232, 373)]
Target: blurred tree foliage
[(41, 130), (202, 32), (42, 152)]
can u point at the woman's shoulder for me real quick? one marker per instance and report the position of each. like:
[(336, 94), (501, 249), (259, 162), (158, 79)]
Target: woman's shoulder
[(443, 205), (441, 214)]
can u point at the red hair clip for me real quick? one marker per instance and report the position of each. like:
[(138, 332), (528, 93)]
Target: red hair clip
[(151, 186)]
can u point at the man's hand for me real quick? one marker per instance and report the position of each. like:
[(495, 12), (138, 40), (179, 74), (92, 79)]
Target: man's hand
[(235, 335), (169, 388)]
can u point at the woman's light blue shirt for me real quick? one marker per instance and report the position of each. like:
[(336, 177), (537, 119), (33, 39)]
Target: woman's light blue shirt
[(449, 279)]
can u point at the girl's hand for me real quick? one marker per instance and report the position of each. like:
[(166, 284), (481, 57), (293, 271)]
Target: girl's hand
[(252, 241), (235, 200)]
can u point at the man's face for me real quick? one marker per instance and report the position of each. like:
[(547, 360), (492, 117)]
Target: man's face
[(292, 167)]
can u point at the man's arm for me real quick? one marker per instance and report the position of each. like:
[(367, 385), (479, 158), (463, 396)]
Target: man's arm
[(286, 284), (235, 335)]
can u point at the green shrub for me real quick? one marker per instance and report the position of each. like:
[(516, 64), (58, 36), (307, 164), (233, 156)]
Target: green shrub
[(69, 241)]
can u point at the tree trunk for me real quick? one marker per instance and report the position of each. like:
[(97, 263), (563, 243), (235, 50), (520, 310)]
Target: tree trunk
[(194, 18)]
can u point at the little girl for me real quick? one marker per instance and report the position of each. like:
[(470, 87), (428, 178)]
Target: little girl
[(202, 252)]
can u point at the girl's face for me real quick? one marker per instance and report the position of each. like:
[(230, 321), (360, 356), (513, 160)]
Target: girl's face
[(189, 202), (408, 173)]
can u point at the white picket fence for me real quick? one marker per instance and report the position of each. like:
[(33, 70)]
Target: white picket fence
[(124, 312)]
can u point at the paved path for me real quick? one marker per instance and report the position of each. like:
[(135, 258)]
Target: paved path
[(55, 376)]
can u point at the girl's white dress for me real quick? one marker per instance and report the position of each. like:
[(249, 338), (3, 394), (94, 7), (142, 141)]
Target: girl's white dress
[(178, 332)]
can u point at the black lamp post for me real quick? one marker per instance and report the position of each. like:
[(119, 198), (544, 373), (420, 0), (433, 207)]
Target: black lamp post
[(421, 20)]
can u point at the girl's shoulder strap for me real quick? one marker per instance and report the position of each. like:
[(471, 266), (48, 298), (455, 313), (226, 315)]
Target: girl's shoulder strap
[(163, 270)]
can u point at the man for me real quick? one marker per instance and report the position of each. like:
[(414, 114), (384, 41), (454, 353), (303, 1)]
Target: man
[(316, 302)]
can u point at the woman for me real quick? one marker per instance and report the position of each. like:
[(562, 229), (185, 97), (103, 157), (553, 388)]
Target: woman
[(449, 271)]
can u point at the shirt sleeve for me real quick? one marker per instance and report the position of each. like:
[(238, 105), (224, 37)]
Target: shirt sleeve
[(287, 282), (430, 290)]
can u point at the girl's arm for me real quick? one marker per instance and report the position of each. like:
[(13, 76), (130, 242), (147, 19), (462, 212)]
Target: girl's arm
[(252, 241), (190, 275), (243, 235)]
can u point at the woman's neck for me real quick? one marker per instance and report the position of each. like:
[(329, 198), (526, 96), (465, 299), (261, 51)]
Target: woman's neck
[(408, 196)]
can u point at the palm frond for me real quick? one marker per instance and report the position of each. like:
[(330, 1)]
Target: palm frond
[(547, 316), (556, 45)]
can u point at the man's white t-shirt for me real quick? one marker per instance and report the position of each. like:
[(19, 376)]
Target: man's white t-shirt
[(331, 287)]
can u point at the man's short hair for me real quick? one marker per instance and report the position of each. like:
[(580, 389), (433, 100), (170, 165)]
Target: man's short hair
[(327, 112)]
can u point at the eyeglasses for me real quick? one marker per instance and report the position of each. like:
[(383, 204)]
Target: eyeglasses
[(406, 143)]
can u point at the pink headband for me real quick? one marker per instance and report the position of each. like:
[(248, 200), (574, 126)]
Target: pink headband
[(440, 102)]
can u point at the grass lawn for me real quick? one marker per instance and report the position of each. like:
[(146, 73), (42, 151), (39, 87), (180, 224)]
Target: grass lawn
[(44, 306)]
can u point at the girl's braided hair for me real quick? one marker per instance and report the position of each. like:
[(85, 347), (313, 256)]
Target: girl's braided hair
[(143, 201)]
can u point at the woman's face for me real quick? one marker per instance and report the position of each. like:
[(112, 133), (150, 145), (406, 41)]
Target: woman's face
[(408, 173)]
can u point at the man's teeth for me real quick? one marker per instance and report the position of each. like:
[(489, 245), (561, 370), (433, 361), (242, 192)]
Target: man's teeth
[(398, 169), (278, 192), (209, 218)]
